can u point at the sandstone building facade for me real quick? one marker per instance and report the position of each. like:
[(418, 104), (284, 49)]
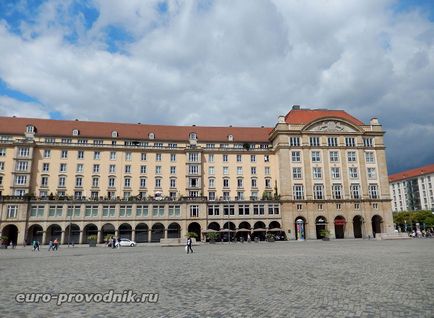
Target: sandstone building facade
[(315, 169)]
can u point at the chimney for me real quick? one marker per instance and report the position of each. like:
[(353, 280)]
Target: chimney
[(295, 107)]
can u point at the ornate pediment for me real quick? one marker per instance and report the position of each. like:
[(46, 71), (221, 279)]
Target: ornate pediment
[(331, 126)]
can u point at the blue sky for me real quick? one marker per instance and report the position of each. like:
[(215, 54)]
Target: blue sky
[(221, 63)]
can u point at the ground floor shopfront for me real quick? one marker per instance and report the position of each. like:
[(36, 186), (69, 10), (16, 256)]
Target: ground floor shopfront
[(282, 220)]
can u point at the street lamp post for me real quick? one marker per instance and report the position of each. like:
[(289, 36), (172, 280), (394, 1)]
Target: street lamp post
[(405, 226), (70, 228)]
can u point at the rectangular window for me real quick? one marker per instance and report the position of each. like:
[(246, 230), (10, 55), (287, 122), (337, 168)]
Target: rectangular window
[(211, 195), (373, 191), (213, 210), (97, 155), (174, 210), (64, 154), (296, 156), (336, 173), (298, 192), (225, 170), (128, 156), (294, 141), (141, 210), (267, 171), (173, 183), (351, 155), (157, 169), (350, 141), (368, 142), (79, 167), (55, 210), (24, 165), (239, 170), (211, 158), (125, 210), (47, 153), (316, 156), (80, 154), (44, 181), (158, 210), (332, 141), (194, 211), (37, 211), (355, 191), (172, 157), (193, 169), (158, 183), (20, 180), (258, 209), (193, 157), (108, 210), (143, 156), (253, 170), (334, 156), (24, 152), (229, 209), (252, 158), (12, 211), (91, 210), (95, 169), (95, 182), (78, 182), (225, 158), (353, 173), (314, 141), (211, 171), (273, 209), (318, 192), (337, 191), (372, 173), (296, 173), (254, 183), (128, 169), (370, 157), (317, 173), (238, 158)]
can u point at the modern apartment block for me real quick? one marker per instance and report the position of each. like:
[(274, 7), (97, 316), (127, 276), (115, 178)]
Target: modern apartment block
[(412, 190), (315, 169)]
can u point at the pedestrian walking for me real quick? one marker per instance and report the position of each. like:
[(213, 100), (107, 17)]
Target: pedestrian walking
[(50, 246), (56, 245), (35, 245), (189, 244)]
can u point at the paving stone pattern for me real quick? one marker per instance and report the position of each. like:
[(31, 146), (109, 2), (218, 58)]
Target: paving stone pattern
[(346, 278)]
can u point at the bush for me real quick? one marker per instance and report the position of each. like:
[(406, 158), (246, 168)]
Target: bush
[(191, 235), (92, 238), (213, 235)]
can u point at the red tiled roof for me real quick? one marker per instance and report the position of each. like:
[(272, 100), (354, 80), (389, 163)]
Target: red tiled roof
[(305, 116), (412, 173), (63, 128)]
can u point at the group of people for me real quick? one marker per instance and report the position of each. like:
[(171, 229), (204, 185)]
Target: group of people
[(423, 233), (53, 245), (113, 242)]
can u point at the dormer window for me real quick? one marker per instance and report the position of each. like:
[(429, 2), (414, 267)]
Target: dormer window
[(30, 128), (75, 132), (115, 134), (151, 135), (230, 138), (193, 136)]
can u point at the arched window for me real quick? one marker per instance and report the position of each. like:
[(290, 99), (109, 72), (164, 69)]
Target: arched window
[(230, 138), (151, 135), (193, 136), (75, 132), (115, 134)]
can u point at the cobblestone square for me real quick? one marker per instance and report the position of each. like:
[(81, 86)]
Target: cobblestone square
[(346, 278)]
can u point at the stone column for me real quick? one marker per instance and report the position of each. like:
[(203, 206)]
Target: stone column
[(100, 236), (133, 235), (20, 237), (149, 235), (349, 229), (81, 239), (63, 237), (44, 237)]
